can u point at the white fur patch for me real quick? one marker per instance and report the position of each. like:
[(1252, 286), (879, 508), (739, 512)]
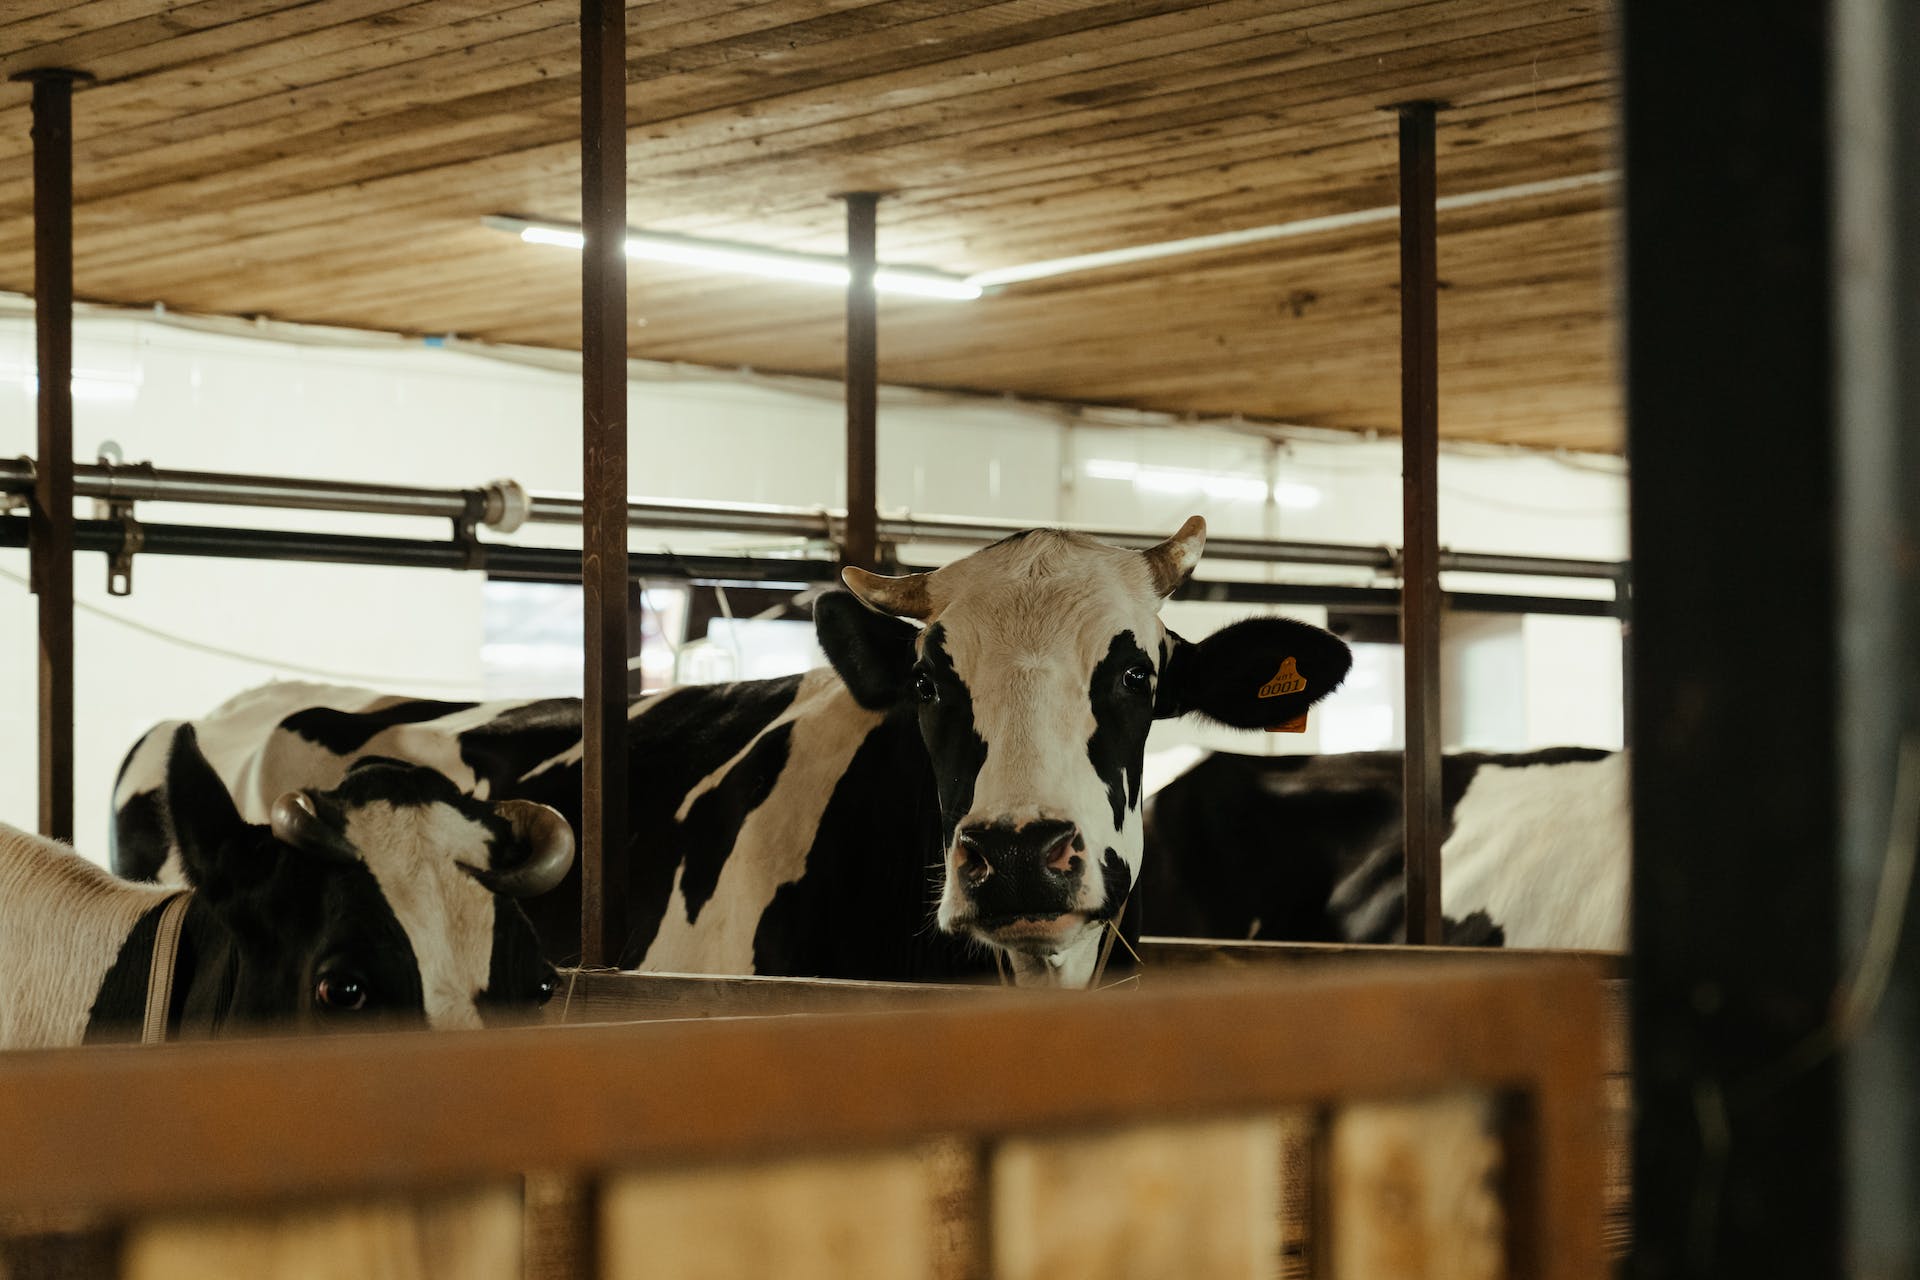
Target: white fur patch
[(416, 854), (771, 849), (1543, 850), (62, 923)]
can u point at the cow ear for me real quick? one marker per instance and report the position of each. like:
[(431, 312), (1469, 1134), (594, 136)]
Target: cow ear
[(213, 839), (871, 652), (1257, 674)]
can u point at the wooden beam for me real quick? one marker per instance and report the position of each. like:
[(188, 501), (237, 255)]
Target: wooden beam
[(156, 1129), (861, 545), (603, 552), (50, 511), (1420, 599)]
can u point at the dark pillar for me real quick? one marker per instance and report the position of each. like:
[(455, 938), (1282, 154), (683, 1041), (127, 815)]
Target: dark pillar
[(1730, 426), (862, 546), (1420, 599), (50, 512), (603, 566)]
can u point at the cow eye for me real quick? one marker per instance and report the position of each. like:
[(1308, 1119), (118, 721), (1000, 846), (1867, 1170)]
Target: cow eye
[(1138, 678), (924, 688), (544, 992), (340, 993)]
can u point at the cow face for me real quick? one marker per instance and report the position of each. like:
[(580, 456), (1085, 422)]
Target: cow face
[(1039, 665), (390, 897)]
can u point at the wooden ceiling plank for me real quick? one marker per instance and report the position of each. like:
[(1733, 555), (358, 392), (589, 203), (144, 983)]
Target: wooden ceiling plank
[(178, 36), (194, 197), (99, 170)]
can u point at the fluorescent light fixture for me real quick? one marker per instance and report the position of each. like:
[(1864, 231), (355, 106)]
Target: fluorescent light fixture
[(1277, 231), (1225, 486), (752, 260)]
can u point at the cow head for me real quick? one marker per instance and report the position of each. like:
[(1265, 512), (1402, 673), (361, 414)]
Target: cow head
[(1036, 667), (391, 896)]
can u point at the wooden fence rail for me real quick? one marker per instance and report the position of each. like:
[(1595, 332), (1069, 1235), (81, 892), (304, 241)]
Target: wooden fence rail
[(1455, 1111)]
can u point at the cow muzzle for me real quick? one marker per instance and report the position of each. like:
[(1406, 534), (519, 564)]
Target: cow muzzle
[(1018, 885)]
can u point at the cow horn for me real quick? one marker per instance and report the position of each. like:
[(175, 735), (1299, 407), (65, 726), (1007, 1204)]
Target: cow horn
[(1171, 561), (296, 821), (903, 597), (549, 842)]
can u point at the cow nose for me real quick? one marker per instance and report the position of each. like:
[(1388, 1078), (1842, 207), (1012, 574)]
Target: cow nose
[(989, 847)]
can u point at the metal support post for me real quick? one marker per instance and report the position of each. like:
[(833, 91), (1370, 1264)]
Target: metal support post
[(862, 542), (1420, 599), (603, 551), (51, 509)]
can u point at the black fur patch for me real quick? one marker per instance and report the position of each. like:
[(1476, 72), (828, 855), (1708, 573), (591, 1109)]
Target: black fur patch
[(140, 839), (953, 741), (1119, 882), (871, 652), (713, 824), (864, 908), (1120, 723), (516, 969), (344, 732), (120, 1005)]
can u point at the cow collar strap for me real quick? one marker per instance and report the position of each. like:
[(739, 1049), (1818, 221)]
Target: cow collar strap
[(166, 954)]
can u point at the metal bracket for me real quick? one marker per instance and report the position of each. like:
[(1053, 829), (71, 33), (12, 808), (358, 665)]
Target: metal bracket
[(12, 502), (132, 538), (466, 533)]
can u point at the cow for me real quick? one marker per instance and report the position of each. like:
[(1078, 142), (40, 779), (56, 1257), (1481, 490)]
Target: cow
[(390, 898), (1310, 849), (961, 787)]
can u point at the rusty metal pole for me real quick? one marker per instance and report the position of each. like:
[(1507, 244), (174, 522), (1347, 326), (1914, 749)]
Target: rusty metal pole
[(1420, 598), (50, 511), (603, 548), (862, 544)]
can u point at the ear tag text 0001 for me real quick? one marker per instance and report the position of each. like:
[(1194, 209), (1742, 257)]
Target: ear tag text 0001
[(1287, 680)]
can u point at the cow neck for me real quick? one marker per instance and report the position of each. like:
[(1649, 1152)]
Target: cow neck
[(205, 977), (174, 978)]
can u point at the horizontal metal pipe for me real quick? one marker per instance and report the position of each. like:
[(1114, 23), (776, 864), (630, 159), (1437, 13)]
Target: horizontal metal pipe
[(142, 483), (562, 564), (145, 484)]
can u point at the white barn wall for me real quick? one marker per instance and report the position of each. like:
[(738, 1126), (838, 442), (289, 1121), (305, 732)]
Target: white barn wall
[(440, 417)]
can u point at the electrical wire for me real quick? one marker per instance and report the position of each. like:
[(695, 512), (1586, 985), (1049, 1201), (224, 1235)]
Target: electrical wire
[(274, 664)]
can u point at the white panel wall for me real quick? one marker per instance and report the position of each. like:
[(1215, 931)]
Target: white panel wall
[(435, 416)]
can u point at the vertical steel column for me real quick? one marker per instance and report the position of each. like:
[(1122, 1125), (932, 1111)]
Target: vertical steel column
[(50, 512), (603, 548), (862, 545), (1420, 598)]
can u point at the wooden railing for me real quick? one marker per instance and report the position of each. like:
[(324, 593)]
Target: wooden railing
[(1453, 1110)]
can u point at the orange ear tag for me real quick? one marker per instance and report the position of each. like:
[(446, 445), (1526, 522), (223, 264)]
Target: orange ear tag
[(1296, 725), (1287, 680)]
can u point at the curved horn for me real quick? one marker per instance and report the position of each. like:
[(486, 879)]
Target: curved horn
[(549, 842), (1171, 561), (296, 821), (903, 597)]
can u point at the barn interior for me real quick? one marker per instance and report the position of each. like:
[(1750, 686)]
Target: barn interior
[(500, 351)]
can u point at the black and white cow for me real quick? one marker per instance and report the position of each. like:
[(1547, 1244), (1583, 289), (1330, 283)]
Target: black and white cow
[(388, 897), (964, 780), (1310, 849)]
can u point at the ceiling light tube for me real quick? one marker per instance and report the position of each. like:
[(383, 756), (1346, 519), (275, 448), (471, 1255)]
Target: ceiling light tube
[(745, 259)]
